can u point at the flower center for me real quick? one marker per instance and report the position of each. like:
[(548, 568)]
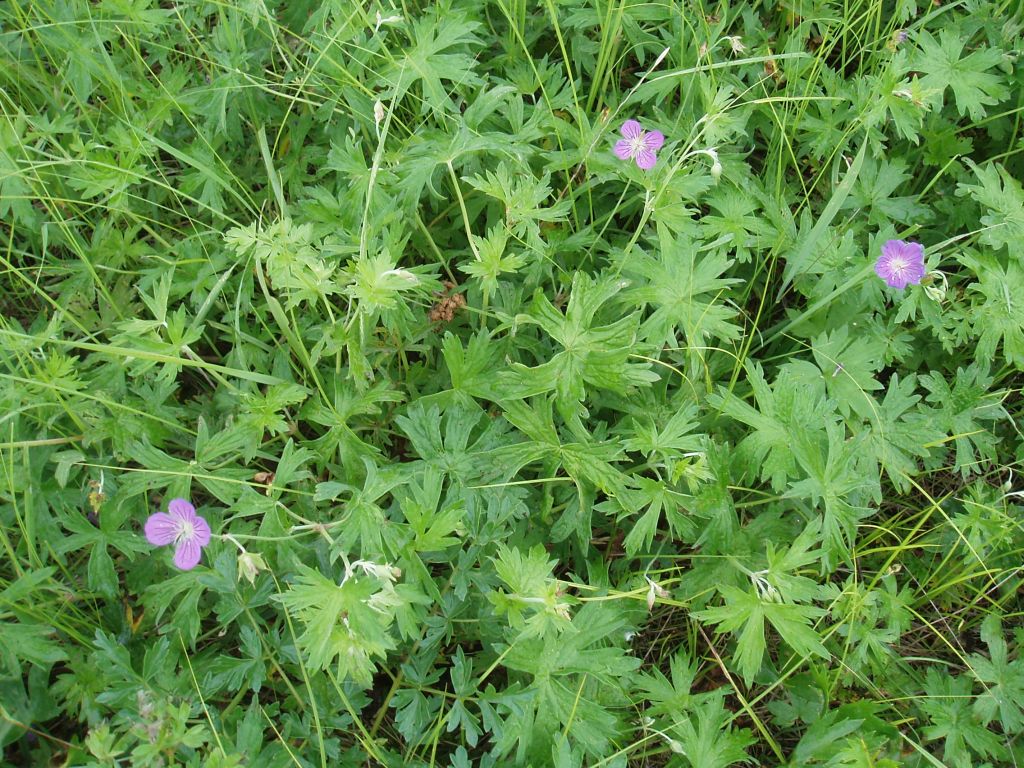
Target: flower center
[(637, 144), (898, 264), (186, 530)]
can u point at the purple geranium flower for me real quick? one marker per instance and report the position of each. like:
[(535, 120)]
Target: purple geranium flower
[(639, 145), (182, 527), (901, 263)]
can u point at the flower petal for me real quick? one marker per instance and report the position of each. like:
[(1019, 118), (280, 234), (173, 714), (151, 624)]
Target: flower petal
[(896, 280), (915, 251), (161, 529), (186, 556), (653, 140), (646, 159), (631, 129), (201, 528), (892, 249), (624, 149), (914, 273), (182, 509)]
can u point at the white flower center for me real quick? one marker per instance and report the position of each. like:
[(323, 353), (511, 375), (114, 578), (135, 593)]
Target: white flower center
[(637, 144), (898, 264), (186, 530)]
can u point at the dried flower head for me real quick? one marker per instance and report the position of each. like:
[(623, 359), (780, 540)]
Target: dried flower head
[(736, 44), (180, 526), (638, 144), (448, 304), (901, 263)]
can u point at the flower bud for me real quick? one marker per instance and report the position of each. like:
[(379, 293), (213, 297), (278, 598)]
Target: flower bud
[(250, 564)]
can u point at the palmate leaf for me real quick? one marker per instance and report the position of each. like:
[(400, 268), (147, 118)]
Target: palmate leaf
[(26, 640), (848, 366), (999, 316), (576, 676), (1003, 198), (964, 411), (900, 433), (1002, 677), (666, 695), (588, 463), (533, 602), (744, 614), (364, 519), (592, 354), (787, 409), (837, 481), (684, 288), (705, 735), (947, 704), (873, 191), (444, 442), (970, 78), (470, 367), (526, 199), (653, 497), (737, 218), (425, 155), (430, 59), (342, 623)]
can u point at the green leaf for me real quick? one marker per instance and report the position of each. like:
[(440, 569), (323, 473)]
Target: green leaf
[(1002, 678), (947, 704), (965, 412), (848, 366), (345, 623), (533, 602), (705, 736), (429, 60), (592, 354), (744, 614), (1000, 316), (836, 481), (786, 411), (900, 433), (685, 289), (1002, 196), (974, 86)]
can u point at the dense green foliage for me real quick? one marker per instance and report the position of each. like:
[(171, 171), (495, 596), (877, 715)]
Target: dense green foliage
[(514, 453)]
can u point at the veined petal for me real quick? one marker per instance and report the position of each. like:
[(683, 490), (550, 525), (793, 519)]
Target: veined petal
[(201, 530), (161, 529), (646, 159), (182, 509), (915, 273), (631, 129), (186, 556), (653, 140), (624, 149), (892, 248)]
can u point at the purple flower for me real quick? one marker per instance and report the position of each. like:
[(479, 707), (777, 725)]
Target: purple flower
[(638, 144), (182, 527), (901, 263)]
